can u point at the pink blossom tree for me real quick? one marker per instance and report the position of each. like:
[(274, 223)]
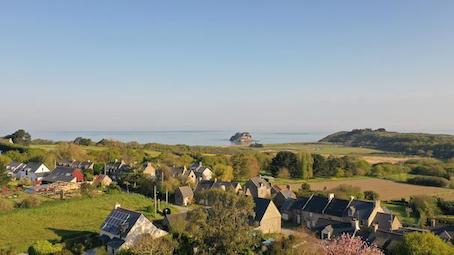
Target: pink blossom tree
[(349, 245)]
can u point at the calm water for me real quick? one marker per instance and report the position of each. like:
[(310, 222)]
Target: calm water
[(180, 137)]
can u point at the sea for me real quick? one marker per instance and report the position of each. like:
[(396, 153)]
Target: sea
[(188, 137)]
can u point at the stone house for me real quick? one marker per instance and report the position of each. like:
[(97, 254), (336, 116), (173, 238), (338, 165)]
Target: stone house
[(202, 173), (282, 196), (102, 180), (184, 196), (258, 187), (267, 217), (149, 170), (123, 227)]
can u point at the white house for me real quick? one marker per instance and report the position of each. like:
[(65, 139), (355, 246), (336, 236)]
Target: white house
[(34, 171)]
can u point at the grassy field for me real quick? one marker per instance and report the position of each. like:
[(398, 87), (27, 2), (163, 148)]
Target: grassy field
[(328, 149), (403, 216), (63, 219), (387, 189)]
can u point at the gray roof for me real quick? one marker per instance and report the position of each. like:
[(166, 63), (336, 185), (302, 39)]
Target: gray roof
[(261, 204), (60, 174), (33, 166), (120, 221), (384, 220), (316, 204), (362, 209), (337, 207), (186, 191), (257, 180), (287, 194)]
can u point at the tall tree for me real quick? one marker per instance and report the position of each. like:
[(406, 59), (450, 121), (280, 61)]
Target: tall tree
[(285, 160), (306, 162), (223, 228), (20, 137)]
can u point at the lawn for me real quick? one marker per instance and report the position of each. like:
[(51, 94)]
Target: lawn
[(63, 219), (401, 213), (319, 148)]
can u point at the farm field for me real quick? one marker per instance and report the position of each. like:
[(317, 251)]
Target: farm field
[(63, 219), (320, 148), (387, 190)]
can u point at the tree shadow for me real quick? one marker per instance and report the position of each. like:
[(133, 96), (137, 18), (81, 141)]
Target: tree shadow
[(66, 234)]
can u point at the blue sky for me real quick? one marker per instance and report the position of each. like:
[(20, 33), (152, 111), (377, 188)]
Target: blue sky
[(242, 65)]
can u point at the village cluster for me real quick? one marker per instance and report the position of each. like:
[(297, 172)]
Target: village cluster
[(326, 216)]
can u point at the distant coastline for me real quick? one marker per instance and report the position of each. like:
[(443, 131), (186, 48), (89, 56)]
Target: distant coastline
[(189, 137)]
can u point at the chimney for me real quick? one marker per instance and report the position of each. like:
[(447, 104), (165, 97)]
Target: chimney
[(433, 222), (330, 196), (352, 198), (377, 203), (355, 224), (375, 227), (215, 179), (117, 205)]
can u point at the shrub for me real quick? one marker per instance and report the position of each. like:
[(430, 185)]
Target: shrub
[(423, 244), (44, 247), (429, 181), (6, 205), (371, 195), (30, 202)]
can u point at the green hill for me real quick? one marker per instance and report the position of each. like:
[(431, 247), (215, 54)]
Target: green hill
[(439, 146)]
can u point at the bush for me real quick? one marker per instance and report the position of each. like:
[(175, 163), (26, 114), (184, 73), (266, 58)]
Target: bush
[(371, 195), (44, 247), (6, 205), (30, 202), (429, 181), (423, 244)]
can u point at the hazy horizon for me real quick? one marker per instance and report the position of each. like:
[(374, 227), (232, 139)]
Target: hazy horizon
[(242, 66)]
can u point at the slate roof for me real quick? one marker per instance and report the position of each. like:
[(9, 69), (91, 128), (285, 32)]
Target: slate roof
[(257, 180), (336, 228), (261, 204), (120, 221), (60, 174), (203, 185), (337, 207), (15, 166), (33, 166), (288, 204), (300, 202), (447, 230), (186, 191), (362, 209), (287, 194), (385, 240), (316, 204), (384, 221), (115, 243)]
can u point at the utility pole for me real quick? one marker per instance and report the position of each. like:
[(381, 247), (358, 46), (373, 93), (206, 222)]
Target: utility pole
[(167, 196), (155, 204)]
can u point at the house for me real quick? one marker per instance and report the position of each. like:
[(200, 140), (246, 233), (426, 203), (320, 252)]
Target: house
[(291, 209), (35, 171), (83, 165), (64, 174), (182, 172), (386, 222), (215, 184), (116, 169), (201, 172), (282, 196), (149, 170), (267, 217), (313, 210), (102, 180), (184, 196), (258, 187), (123, 227)]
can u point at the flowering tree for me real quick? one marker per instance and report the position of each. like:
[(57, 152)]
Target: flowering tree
[(349, 245)]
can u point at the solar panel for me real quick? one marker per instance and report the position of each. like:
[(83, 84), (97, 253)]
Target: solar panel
[(114, 221)]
